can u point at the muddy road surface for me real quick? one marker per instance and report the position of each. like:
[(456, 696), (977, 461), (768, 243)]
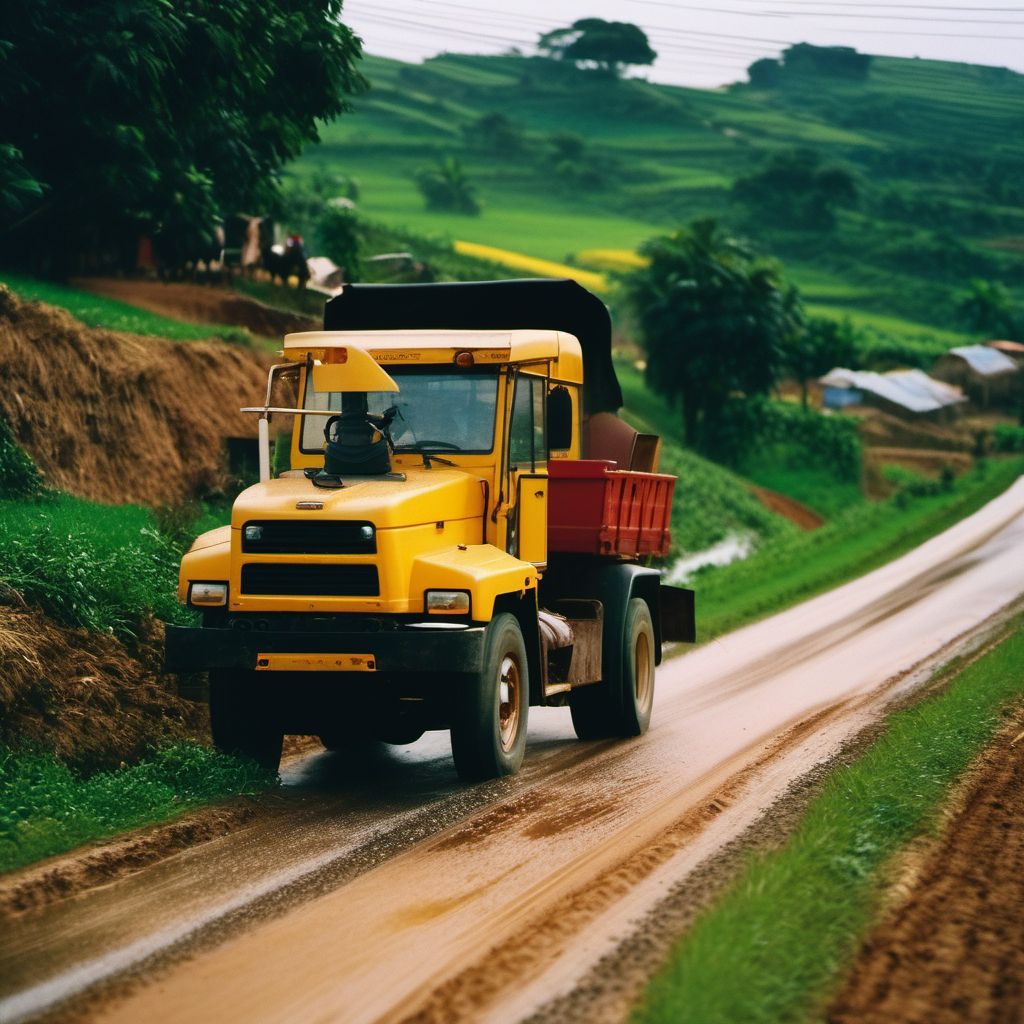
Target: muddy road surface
[(373, 887)]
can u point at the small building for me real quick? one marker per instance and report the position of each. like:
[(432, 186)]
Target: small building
[(905, 393), (1013, 349), (987, 375)]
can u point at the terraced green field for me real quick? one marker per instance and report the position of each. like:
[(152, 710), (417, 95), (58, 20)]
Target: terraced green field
[(938, 149)]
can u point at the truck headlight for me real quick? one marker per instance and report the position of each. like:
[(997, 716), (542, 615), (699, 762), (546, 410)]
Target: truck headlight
[(366, 532), (448, 602), (253, 532), (207, 595)]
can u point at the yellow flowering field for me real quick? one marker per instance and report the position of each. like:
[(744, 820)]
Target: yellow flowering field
[(532, 265), (621, 260)]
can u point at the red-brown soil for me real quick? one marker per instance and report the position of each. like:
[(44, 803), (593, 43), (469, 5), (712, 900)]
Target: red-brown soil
[(88, 697), (805, 518), (200, 304), (119, 417), (952, 951)]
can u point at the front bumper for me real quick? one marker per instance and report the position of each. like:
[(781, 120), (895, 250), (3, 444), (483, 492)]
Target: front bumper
[(196, 649)]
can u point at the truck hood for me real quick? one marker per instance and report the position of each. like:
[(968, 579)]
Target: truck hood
[(424, 496)]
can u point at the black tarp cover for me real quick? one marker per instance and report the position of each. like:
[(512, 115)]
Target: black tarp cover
[(530, 304)]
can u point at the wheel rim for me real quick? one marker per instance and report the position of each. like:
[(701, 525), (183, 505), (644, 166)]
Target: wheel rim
[(643, 669), (509, 686)]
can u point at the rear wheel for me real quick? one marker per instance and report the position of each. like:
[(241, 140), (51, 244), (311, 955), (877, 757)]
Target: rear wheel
[(492, 706), (241, 719), (620, 705)]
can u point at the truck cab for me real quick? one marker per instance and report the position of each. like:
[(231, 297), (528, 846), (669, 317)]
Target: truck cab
[(432, 557)]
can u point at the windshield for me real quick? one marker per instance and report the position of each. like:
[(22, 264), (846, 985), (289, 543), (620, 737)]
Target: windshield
[(439, 410)]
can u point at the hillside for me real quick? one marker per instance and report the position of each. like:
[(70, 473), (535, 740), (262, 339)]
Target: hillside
[(936, 148)]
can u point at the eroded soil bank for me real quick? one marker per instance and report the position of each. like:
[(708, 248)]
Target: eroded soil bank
[(952, 949), (119, 417)]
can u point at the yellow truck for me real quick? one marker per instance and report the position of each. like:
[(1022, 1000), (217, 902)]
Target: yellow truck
[(463, 533)]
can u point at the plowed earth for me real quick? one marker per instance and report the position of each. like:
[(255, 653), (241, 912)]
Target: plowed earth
[(952, 949)]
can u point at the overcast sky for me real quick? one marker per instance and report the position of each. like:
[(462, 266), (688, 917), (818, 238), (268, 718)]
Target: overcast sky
[(702, 43)]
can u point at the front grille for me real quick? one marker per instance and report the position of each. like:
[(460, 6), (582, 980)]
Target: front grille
[(311, 580), (310, 537)]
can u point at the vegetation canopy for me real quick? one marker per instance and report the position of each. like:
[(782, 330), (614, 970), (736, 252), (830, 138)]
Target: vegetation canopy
[(714, 320), (155, 117), (611, 46)]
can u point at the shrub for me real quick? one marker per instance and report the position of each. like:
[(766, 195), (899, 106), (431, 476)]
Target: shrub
[(756, 423), (1007, 439), (19, 477)]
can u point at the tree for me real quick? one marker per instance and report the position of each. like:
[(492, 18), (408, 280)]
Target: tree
[(611, 46), (831, 61), (129, 117), (714, 320), (794, 189), (446, 187), (496, 132), (987, 308), (765, 73), (819, 346), (341, 235)]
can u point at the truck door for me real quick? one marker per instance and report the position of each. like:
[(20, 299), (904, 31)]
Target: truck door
[(528, 473)]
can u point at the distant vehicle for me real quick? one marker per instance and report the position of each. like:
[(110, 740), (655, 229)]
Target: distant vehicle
[(461, 534)]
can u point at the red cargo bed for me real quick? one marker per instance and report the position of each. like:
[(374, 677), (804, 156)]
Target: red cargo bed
[(596, 509)]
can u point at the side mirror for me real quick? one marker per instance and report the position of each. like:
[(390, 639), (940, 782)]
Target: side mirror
[(559, 414)]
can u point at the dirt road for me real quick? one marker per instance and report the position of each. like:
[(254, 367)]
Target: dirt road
[(378, 889)]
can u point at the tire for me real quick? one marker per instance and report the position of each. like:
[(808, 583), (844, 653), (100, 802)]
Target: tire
[(621, 704), (491, 709), (241, 719)]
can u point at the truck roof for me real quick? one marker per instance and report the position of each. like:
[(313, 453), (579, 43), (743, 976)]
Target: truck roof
[(537, 304), (438, 347)]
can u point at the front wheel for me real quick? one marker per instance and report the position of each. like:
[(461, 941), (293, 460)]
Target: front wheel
[(492, 706), (621, 704), (241, 719)]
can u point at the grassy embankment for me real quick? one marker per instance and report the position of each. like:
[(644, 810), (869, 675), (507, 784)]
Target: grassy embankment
[(779, 940), (99, 311), (46, 809)]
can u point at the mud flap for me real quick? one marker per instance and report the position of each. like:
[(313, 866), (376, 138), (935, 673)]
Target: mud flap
[(678, 614)]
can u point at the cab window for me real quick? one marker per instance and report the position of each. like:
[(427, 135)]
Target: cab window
[(526, 434)]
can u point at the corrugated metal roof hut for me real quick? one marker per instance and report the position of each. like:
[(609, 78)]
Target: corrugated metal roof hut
[(906, 393), (987, 375)]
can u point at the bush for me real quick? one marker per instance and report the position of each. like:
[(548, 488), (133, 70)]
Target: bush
[(19, 477), (1007, 439), (756, 423)]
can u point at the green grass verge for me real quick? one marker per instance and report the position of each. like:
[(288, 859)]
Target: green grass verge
[(85, 564), (796, 566), (98, 311), (46, 809), (774, 945)]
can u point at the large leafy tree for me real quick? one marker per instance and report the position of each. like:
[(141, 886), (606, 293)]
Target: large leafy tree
[(123, 117), (987, 308), (714, 319), (611, 46), (819, 346), (794, 188)]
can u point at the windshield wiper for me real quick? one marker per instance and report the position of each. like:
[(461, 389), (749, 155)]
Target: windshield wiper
[(429, 456)]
